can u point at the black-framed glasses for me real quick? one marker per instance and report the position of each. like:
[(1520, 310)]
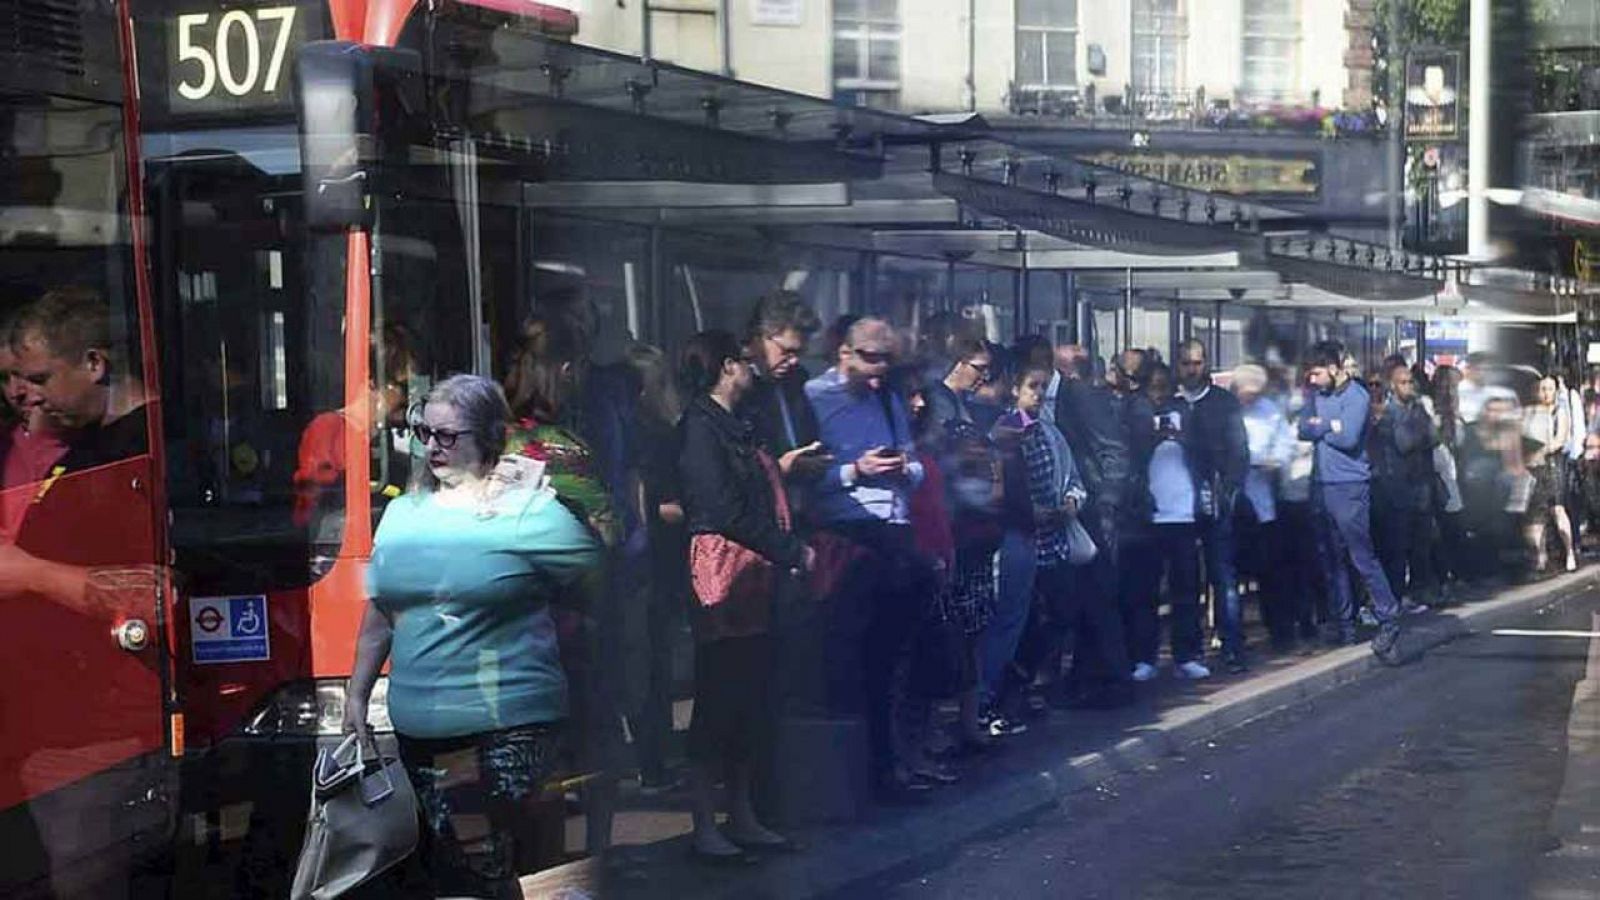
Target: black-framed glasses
[(873, 357), (445, 438), (786, 349)]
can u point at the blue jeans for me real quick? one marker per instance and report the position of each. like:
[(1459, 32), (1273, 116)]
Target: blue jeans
[(1343, 515), (1216, 535), (997, 645)]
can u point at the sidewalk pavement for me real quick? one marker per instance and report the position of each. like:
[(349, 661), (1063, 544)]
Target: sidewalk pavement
[(1572, 868), (1061, 754)]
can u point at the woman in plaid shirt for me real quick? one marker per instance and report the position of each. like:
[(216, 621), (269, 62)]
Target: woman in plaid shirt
[(1041, 468)]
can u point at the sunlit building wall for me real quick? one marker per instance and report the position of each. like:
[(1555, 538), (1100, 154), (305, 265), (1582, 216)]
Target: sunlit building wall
[(1002, 55)]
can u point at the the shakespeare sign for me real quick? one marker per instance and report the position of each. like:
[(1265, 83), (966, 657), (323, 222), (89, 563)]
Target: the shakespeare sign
[(1433, 103), (1223, 173)]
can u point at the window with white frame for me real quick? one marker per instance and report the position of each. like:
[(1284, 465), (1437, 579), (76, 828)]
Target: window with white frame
[(1047, 44), (1271, 49), (1160, 30), (866, 45)]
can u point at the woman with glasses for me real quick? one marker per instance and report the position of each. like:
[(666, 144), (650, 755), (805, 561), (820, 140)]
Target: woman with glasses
[(735, 509), (462, 576)]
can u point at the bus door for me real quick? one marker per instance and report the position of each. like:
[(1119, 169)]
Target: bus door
[(84, 762)]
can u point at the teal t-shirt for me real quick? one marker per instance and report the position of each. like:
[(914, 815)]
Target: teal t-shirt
[(475, 647)]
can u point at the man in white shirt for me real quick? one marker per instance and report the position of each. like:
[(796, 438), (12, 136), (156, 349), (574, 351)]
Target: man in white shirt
[(1172, 547)]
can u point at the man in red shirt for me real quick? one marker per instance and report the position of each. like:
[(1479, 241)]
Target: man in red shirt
[(29, 447)]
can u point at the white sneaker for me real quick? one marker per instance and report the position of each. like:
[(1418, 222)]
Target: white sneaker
[(1191, 671), (1144, 672)]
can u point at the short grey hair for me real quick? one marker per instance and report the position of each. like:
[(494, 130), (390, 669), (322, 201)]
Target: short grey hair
[(869, 328), (485, 417)]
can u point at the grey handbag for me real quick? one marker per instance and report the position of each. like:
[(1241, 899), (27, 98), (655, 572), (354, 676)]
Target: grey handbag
[(1081, 549), (363, 821)]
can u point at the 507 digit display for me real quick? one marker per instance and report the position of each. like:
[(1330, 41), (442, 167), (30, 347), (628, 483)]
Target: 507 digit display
[(231, 59)]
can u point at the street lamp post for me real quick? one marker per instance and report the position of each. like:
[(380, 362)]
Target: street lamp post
[(1478, 131)]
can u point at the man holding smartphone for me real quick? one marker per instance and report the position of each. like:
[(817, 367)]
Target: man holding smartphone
[(1335, 420), (863, 500)]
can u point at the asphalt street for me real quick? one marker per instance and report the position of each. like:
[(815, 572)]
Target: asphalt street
[(1433, 780)]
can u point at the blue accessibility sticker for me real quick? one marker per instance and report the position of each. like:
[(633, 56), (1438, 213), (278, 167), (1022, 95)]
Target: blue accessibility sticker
[(229, 629)]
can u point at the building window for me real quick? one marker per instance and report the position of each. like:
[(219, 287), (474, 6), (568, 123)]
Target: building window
[(1271, 49), (866, 46), (1047, 43), (1160, 31)]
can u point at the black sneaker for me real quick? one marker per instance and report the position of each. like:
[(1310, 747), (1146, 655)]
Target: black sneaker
[(1234, 663), (1386, 644)]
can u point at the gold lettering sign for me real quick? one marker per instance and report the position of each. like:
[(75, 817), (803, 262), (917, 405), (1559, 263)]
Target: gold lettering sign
[(1224, 174)]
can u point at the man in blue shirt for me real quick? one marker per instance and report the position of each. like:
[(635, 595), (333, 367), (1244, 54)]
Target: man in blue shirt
[(1335, 421), (864, 501)]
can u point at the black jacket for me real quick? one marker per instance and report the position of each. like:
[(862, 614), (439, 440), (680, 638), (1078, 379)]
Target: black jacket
[(762, 409), (1219, 449), (725, 489), (1096, 430), (1400, 446), (1138, 419)]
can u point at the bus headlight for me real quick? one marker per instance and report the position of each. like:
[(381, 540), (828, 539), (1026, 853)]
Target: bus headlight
[(315, 709)]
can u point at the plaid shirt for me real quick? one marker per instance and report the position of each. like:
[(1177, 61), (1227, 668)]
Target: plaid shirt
[(1050, 539)]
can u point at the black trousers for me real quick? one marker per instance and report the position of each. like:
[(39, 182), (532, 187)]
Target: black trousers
[(1405, 537), (1261, 555), (1099, 586), (1171, 550), (872, 618), (1068, 601), (1299, 571)]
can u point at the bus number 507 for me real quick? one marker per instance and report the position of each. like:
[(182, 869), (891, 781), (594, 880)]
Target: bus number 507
[(213, 53)]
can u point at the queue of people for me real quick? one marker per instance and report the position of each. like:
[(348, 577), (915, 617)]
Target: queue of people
[(941, 543), (993, 530)]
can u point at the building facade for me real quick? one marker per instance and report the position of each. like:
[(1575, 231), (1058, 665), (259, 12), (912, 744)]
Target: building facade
[(1064, 57)]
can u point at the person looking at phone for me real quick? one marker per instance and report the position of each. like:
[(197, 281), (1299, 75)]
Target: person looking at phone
[(1220, 456), (776, 408), (863, 501), (1335, 420), (970, 370), (1169, 546)]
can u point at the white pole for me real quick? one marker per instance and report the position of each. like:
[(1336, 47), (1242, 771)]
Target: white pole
[(1478, 132), (630, 287)]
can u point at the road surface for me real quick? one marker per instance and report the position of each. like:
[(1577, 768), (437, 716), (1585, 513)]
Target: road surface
[(1433, 780)]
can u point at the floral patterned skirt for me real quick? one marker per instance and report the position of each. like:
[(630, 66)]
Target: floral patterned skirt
[(472, 791), (969, 599)]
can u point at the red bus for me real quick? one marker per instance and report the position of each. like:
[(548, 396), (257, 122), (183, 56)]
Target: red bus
[(255, 230)]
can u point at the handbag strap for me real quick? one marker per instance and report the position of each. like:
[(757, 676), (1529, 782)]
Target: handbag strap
[(888, 415), (780, 497)]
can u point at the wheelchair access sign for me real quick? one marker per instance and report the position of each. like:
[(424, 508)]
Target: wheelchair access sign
[(229, 629)]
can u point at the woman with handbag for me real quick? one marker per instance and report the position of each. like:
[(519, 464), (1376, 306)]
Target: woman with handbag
[(1042, 473), (738, 519), (1547, 427), (463, 569)]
